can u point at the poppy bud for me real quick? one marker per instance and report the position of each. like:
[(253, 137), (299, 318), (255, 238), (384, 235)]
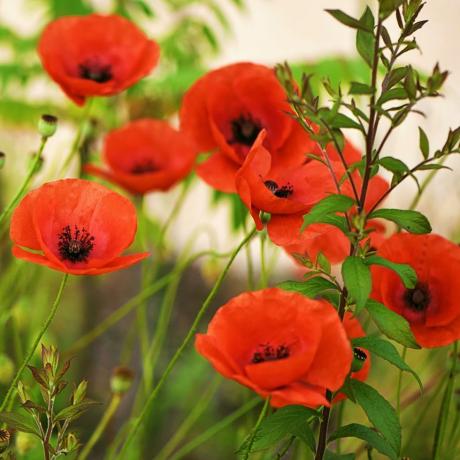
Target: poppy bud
[(4, 440), (47, 125), (6, 369), (25, 442), (2, 159), (122, 379), (359, 358)]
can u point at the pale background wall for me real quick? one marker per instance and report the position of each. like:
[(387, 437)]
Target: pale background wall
[(270, 31)]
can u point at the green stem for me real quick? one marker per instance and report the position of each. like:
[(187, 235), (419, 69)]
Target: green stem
[(12, 204), (252, 436), (443, 417), (399, 386), (102, 425), (78, 137), (213, 430), (188, 338), (189, 421), (263, 265), (425, 184), (35, 344)]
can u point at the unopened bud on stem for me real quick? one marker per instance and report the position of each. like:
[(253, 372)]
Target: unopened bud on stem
[(47, 125)]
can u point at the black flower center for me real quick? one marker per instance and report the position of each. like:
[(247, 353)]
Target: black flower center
[(93, 70), (244, 130), (143, 167), (418, 298), (75, 247), (284, 191), (267, 352)]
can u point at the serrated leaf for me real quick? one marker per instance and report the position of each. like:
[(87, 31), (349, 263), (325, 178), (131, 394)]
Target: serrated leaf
[(76, 410), (18, 422), (379, 412), (365, 41), (357, 278), (360, 88), (329, 205), (348, 20), (391, 324), (405, 272), (386, 351), (289, 420), (412, 221), (371, 437)]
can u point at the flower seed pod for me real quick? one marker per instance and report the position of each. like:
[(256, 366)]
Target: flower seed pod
[(47, 125), (6, 369), (122, 379)]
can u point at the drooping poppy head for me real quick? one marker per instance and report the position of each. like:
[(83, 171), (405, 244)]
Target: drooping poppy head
[(354, 330), (75, 226), (433, 306), (146, 155), (96, 55), (264, 186), (280, 344), (227, 109)]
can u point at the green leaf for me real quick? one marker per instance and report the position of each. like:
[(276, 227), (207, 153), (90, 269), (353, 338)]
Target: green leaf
[(323, 263), (289, 420), (428, 167), (392, 94), (313, 288), (379, 412), (395, 76), (412, 221), (360, 88), (347, 20), (76, 410), (329, 205), (394, 165), (387, 7), (405, 272), (342, 121), (365, 41), (329, 455), (391, 324), (387, 351), (424, 144), (18, 422), (357, 279), (371, 437)]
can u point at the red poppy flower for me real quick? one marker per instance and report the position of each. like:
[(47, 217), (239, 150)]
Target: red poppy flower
[(433, 306), (96, 55), (146, 155), (354, 330), (227, 109), (264, 186), (279, 344), (75, 226)]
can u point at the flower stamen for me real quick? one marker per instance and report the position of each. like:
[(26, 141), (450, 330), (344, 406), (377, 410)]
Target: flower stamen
[(267, 352), (77, 247)]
